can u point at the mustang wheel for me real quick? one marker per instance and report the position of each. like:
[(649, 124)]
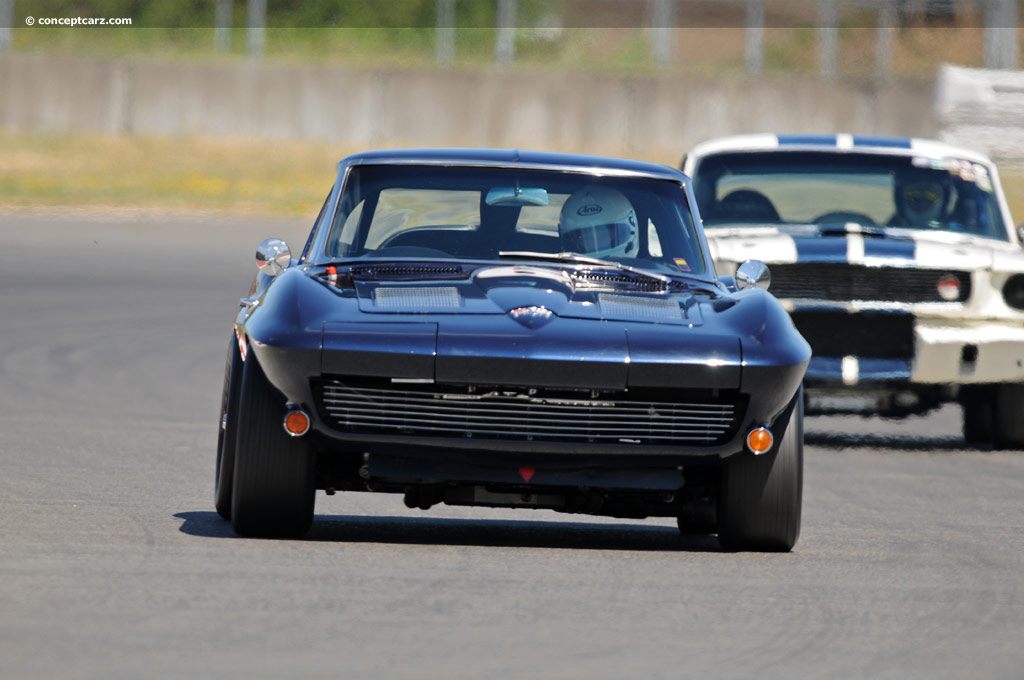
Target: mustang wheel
[(1008, 416), (761, 496), (976, 401), (225, 472), (274, 488)]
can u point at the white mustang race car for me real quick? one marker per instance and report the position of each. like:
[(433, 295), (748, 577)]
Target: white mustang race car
[(897, 260)]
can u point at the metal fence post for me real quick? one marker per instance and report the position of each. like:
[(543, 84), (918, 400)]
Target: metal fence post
[(662, 21), (883, 42), (505, 32), (222, 25), (828, 39), (444, 37), (753, 47), (1000, 20), (256, 27), (6, 19)]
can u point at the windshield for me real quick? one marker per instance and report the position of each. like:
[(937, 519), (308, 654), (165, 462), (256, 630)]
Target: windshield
[(478, 213), (837, 188)]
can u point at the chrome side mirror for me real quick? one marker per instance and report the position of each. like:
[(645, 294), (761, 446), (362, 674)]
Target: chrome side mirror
[(273, 256), (753, 273), (1020, 232)]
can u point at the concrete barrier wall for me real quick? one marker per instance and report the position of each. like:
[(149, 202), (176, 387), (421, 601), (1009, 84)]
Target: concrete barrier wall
[(657, 116)]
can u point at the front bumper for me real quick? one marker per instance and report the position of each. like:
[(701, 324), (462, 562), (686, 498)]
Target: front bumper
[(296, 371), (963, 352), (939, 351)]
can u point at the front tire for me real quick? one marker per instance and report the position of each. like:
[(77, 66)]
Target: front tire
[(225, 471), (274, 486), (761, 496)]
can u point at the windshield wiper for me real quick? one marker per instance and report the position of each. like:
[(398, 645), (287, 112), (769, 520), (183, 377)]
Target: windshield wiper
[(576, 258)]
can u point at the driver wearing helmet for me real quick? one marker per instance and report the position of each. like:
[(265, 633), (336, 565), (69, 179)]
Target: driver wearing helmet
[(599, 222), (921, 199)]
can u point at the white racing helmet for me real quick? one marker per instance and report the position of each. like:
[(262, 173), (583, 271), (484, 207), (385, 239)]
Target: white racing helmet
[(599, 222)]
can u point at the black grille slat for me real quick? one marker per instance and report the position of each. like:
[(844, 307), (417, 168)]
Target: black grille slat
[(840, 282), (494, 403), (420, 412), (550, 435), (547, 417)]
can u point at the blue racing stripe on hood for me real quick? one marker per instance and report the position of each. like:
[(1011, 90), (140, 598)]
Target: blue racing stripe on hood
[(820, 249), (817, 140), (898, 249), (887, 142)]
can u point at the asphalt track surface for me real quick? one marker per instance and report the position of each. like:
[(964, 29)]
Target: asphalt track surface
[(113, 563)]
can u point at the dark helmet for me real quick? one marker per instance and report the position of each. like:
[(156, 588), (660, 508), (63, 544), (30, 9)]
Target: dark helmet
[(921, 196)]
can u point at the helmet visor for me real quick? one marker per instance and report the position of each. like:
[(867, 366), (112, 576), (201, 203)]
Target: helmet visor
[(922, 197), (598, 238)]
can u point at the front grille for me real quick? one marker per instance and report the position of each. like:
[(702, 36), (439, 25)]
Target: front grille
[(864, 334), (819, 281), (376, 408)]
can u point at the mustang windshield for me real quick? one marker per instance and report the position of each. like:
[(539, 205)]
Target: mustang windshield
[(836, 188), (477, 213)]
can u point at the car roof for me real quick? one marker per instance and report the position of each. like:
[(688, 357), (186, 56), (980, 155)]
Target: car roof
[(516, 157), (905, 146)]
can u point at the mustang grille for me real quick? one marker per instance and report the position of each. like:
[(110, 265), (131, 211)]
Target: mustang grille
[(512, 416), (816, 281)]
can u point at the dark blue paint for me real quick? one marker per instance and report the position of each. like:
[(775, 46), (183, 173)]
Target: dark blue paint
[(511, 157), (828, 371), (820, 249), (824, 371), (807, 140), (899, 249), (883, 370), (883, 142)]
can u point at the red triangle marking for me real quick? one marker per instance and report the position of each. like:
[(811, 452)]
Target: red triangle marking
[(527, 473)]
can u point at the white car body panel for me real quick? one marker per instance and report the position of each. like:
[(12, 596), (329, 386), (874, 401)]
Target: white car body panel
[(977, 341)]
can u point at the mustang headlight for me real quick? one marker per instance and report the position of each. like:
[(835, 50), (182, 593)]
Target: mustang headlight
[(1013, 291)]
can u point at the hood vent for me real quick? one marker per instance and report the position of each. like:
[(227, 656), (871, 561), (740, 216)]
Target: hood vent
[(420, 298), (631, 307), (408, 271), (590, 280)]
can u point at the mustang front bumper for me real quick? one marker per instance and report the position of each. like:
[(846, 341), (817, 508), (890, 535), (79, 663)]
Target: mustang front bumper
[(945, 352)]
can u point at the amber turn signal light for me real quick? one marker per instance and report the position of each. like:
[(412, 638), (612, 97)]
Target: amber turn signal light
[(760, 440), (296, 422)]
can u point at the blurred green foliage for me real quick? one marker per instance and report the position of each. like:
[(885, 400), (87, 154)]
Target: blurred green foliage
[(610, 36), (381, 32), (371, 14)]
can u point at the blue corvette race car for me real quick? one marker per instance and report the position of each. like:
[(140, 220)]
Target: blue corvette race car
[(513, 329)]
